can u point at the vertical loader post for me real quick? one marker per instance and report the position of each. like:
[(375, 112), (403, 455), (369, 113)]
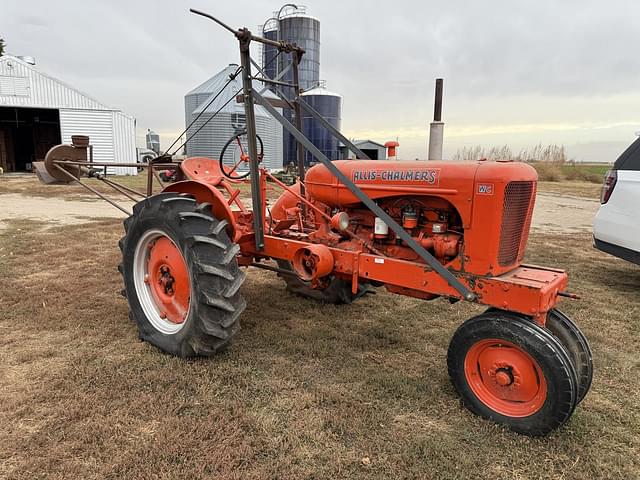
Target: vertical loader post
[(244, 37), (297, 56), (249, 97)]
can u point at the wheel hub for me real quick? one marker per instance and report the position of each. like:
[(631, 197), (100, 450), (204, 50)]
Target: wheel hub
[(505, 378), (168, 280)]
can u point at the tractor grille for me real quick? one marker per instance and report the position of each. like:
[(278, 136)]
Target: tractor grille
[(516, 220)]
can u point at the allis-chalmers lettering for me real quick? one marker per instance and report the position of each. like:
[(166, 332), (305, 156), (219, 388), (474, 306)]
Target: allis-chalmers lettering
[(429, 176)]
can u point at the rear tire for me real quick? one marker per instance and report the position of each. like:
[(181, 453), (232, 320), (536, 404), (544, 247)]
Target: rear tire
[(512, 371), (337, 292), (198, 258)]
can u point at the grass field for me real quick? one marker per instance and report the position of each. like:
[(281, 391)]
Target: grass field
[(598, 169), (307, 390), (572, 172)]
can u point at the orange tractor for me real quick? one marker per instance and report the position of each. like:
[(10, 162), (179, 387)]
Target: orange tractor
[(456, 230)]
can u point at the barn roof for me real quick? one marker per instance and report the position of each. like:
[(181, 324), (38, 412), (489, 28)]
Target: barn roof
[(24, 85)]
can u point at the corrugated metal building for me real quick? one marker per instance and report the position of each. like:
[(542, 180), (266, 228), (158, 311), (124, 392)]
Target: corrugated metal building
[(38, 111), (374, 150), (214, 124)]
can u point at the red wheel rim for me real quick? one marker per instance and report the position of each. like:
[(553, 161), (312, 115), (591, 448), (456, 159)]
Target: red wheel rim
[(505, 378), (168, 279)]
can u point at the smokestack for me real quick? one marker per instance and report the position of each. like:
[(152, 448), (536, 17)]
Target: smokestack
[(436, 130)]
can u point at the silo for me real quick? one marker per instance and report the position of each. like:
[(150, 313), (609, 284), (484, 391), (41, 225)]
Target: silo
[(195, 97), (215, 132), (303, 30), (292, 24), (269, 52), (329, 105), (153, 141)]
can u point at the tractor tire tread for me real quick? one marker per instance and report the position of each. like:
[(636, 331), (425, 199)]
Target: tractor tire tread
[(219, 227), (215, 242), (569, 335), (204, 207)]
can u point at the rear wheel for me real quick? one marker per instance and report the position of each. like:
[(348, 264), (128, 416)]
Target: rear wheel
[(514, 372), (335, 291), (181, 276)]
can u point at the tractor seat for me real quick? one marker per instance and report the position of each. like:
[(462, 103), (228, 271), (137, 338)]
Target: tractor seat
[(205, 170)]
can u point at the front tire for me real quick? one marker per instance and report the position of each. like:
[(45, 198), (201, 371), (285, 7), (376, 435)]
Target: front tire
[(181, 276), (572, 338), (514, 372)]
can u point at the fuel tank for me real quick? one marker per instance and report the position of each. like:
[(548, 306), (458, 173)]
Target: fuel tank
[(380, 179)]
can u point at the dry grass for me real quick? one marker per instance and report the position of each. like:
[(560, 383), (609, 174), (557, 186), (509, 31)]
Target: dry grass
[(306, 391), (548, 172), (537, 154), (572, 172), (550, 161)]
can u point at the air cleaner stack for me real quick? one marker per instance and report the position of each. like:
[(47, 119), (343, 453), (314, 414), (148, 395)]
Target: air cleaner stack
[(436, 130)]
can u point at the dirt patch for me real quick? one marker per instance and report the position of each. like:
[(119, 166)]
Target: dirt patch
[(54, 211), (563, 213)]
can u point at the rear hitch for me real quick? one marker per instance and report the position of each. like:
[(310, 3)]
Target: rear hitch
[(573, 296)]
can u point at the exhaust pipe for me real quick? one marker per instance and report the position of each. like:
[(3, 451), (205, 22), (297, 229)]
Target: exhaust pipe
[(436, 130)]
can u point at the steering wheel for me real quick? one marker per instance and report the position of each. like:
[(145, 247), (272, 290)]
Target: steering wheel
[(244, 157)]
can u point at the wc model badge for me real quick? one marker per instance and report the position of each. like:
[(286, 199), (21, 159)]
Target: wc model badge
[(485, 189)]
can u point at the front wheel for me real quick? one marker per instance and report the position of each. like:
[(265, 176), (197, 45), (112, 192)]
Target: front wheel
[(565, 330), (181, 276), (514, 372)]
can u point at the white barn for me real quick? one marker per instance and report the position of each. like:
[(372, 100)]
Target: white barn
[(38, 111)]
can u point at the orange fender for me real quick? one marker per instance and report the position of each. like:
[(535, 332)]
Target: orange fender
[(204, 192)]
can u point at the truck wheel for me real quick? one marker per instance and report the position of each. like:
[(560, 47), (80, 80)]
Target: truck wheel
[(181, 276), (337, 292), (576, 344), (513, 372)]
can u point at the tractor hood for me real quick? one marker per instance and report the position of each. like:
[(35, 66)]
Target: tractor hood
[(380, 179)]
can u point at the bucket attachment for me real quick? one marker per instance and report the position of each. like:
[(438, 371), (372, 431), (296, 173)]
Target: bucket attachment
[(57, 167)]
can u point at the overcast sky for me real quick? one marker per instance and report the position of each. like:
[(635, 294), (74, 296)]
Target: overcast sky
[(516, 72)]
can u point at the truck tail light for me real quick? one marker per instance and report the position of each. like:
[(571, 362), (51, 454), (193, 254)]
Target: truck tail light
[(607, 187)]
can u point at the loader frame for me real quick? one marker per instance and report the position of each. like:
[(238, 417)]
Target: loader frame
[(529, 290)]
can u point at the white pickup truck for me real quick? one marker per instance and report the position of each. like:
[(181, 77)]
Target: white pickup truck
[(616, 227)]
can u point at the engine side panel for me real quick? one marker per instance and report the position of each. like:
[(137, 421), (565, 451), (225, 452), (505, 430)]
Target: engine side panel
[(482, 210)]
